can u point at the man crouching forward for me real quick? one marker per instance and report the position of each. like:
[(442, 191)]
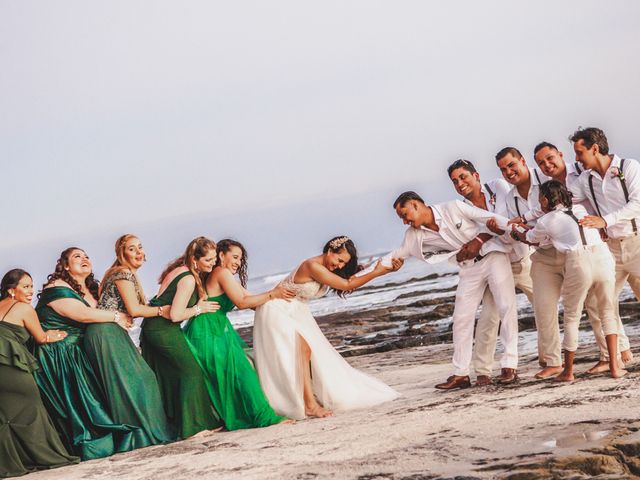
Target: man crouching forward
[(438, 232)]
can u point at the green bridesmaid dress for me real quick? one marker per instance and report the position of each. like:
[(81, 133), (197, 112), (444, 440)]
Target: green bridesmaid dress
[(182, 382), (28, 439), (131, 388), (71, 390), (234, 384)]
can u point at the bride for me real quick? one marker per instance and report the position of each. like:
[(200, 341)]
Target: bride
[(300, 372)]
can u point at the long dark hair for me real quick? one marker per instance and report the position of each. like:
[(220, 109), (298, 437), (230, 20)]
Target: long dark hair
[(61, 273), (556, 194), (197, 248), (335, 245), (11, 279), (223, 247)]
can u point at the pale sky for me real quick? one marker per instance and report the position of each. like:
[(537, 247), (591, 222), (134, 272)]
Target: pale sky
[(143, 115)]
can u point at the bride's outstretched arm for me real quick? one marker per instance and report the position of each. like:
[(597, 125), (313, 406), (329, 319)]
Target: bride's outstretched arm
[(242, 299), (323, 275)]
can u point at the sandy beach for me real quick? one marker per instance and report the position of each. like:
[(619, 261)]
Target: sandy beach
[(531, 430)]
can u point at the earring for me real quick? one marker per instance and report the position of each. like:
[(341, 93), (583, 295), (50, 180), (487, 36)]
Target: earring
[(13, 296)]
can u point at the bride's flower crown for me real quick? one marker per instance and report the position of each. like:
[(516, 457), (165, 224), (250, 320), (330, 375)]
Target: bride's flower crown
[(337, 243)]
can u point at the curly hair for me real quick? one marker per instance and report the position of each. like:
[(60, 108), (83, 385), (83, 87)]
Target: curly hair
[(197, 248), (11, 279), (62, 273), (223, 247), (351, 267)]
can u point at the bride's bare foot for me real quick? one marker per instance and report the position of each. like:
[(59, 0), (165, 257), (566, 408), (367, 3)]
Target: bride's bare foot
[(547, 372), (565, 377), (626, 356), (600, 367), (317, 411)]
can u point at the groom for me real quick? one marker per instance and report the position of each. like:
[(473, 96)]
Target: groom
[(441, 231)]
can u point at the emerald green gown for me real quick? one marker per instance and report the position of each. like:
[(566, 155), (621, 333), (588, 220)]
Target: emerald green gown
[(71, 390), (131, 388), (28, 439), (182, 383), (235, 388)]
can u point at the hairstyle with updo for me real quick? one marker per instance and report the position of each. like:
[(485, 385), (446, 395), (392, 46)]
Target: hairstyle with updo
[(61, 273), (11, 279), (351, 267), (556, 194), (223, 247), (121, 263), (197, 248)]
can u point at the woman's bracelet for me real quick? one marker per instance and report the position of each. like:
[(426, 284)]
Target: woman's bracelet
[(198, 309), (46, 337), (160, 312), (116, 317), (479, 239)]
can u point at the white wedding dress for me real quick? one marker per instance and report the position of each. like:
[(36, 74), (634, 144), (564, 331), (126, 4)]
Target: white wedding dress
[(336, 384)]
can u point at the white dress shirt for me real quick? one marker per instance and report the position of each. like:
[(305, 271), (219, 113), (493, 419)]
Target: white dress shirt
[(562, 230), (458, 223), (574, 170), (496, 202), (609, 196), (514, 205)]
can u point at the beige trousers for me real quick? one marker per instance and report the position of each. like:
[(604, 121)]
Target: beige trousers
[(626, 253), (547, 274), (487, 327), (588, 271)]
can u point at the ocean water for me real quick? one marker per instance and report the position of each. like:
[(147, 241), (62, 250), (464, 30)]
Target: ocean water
[(383, 291)]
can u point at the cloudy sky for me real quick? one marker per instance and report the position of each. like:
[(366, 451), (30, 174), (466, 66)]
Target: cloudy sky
[(282, 123)]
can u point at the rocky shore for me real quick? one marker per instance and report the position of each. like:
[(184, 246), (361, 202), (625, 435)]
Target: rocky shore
[(531, 430)]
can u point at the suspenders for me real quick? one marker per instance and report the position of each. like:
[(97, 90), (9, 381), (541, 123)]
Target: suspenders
[(578, 169), (624, 190), (582, 237), (486, 186), (515, 200), (535, 172)]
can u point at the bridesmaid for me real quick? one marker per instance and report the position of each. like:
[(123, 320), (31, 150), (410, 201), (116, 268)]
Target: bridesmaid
[(165, 348), (131, 388), (70, 388), (28, 439), (235, 388)]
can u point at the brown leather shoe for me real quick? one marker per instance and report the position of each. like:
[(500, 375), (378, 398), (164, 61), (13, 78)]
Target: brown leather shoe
[(483, 381), (455, 381), (508, 375)]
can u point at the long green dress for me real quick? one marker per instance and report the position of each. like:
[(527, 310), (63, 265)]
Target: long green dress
[(131, 387), (182, 383), (71, 390), (235, 388), (28, 439)]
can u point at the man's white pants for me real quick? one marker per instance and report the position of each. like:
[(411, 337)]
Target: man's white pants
[(487, 326), (494, 272)]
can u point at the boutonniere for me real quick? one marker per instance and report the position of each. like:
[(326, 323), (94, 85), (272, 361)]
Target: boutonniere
[(616, 172), (459, 225), (492, 200)]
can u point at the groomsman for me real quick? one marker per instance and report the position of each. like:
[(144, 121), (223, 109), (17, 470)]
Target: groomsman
[(441, 231), (522, 205), (466, 181), (612, 186), (551, 162)]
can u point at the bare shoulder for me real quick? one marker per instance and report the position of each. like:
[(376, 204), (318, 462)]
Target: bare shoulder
[(57, 283)]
